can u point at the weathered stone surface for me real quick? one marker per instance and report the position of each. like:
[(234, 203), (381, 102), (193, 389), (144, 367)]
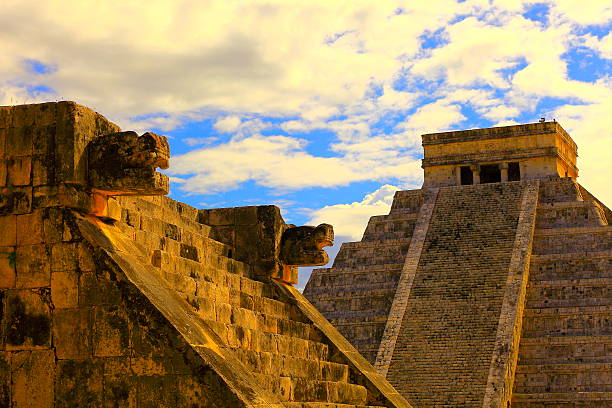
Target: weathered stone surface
[(27, 319), (32, 379), (124, 163), (302, 246), (466, 297)]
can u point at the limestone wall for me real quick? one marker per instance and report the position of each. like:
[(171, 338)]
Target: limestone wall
[(565, 350), (134, 302)]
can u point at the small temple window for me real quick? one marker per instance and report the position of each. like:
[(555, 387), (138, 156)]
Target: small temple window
[(490, 173), (514, 171), (467, 177)]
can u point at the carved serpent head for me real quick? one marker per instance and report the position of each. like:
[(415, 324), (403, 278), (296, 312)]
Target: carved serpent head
[(303, 246), (124, 163)]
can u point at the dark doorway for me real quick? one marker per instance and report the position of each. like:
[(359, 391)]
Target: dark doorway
[(514, 171), (467, 177), (490, 173)]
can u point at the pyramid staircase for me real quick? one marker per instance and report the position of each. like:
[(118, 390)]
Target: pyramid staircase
[(565, 355), (269, 333), (365, 276)]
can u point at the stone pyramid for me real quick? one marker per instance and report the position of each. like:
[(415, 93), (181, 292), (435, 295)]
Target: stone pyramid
[(112, 295), (488, 287)]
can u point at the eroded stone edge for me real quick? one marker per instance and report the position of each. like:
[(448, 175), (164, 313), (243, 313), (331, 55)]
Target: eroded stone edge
[(202, 338), (402, 293), (505, 352), (352, 356)]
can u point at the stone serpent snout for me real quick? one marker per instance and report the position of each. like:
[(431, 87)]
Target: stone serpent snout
[(303, 246)]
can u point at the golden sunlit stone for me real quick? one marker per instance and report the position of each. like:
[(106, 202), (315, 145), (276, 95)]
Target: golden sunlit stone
[(486, 287), (114, 295)]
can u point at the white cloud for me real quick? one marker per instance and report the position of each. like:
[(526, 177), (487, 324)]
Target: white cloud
[(433, 117), (350, 220), (228, 124), (603, 46), (320, 64), (589, 125), (239, 56), (592, 12), (281, 163)]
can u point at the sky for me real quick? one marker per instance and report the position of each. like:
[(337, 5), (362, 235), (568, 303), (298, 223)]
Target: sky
[(316, 106)]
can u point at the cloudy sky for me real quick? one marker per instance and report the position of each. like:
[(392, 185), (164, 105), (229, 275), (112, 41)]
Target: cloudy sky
[(316, 106)]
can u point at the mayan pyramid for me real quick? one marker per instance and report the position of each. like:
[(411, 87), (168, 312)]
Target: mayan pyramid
[(488, 287), (113, 295)]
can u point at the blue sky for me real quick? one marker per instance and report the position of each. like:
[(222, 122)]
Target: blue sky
[(316, 106)]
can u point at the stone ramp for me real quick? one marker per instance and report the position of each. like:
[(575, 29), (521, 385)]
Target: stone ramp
[(565, 356), (451, 329), (255, 335)]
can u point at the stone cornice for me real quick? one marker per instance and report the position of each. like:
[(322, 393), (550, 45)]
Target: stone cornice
[(498, 133)]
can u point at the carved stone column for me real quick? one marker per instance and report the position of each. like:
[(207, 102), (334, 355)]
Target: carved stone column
[(476, 173), (503, 168), (458, 175)]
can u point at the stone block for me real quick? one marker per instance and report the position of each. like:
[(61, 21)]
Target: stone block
[(79, 384), (119, 391), (221, 216), (7, 267), (111, 332), (3, 137), (19, 141), (65, 289), (5, 379), (3, 172), (45, 114), (43, 139), (54, 227), (95, 289), (43, 170), (19, 171), (28, 319), (246, 215), (156, 391), (64, 257), (33, 374), (22, 115), (8, 230), (148, 366), (32, 265), (72, 333), (15, 200), (45, 196), (30, 228), (86, 260)]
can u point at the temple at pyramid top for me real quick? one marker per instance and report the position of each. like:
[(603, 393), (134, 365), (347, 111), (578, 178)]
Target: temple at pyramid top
[(497, 154)]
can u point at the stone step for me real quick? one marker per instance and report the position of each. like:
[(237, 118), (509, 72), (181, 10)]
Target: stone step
[(326, 405), (562, 400), (580, 239), (358, 316), (581, 377), (571, 265), (569, 292), (570, 349), (378, 290), (390, 227), (569, 214), (172, 212), (567, 321), (375, 245), (407, 201), (319, 283), (371, 253), (301, 390), (291, 365)]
